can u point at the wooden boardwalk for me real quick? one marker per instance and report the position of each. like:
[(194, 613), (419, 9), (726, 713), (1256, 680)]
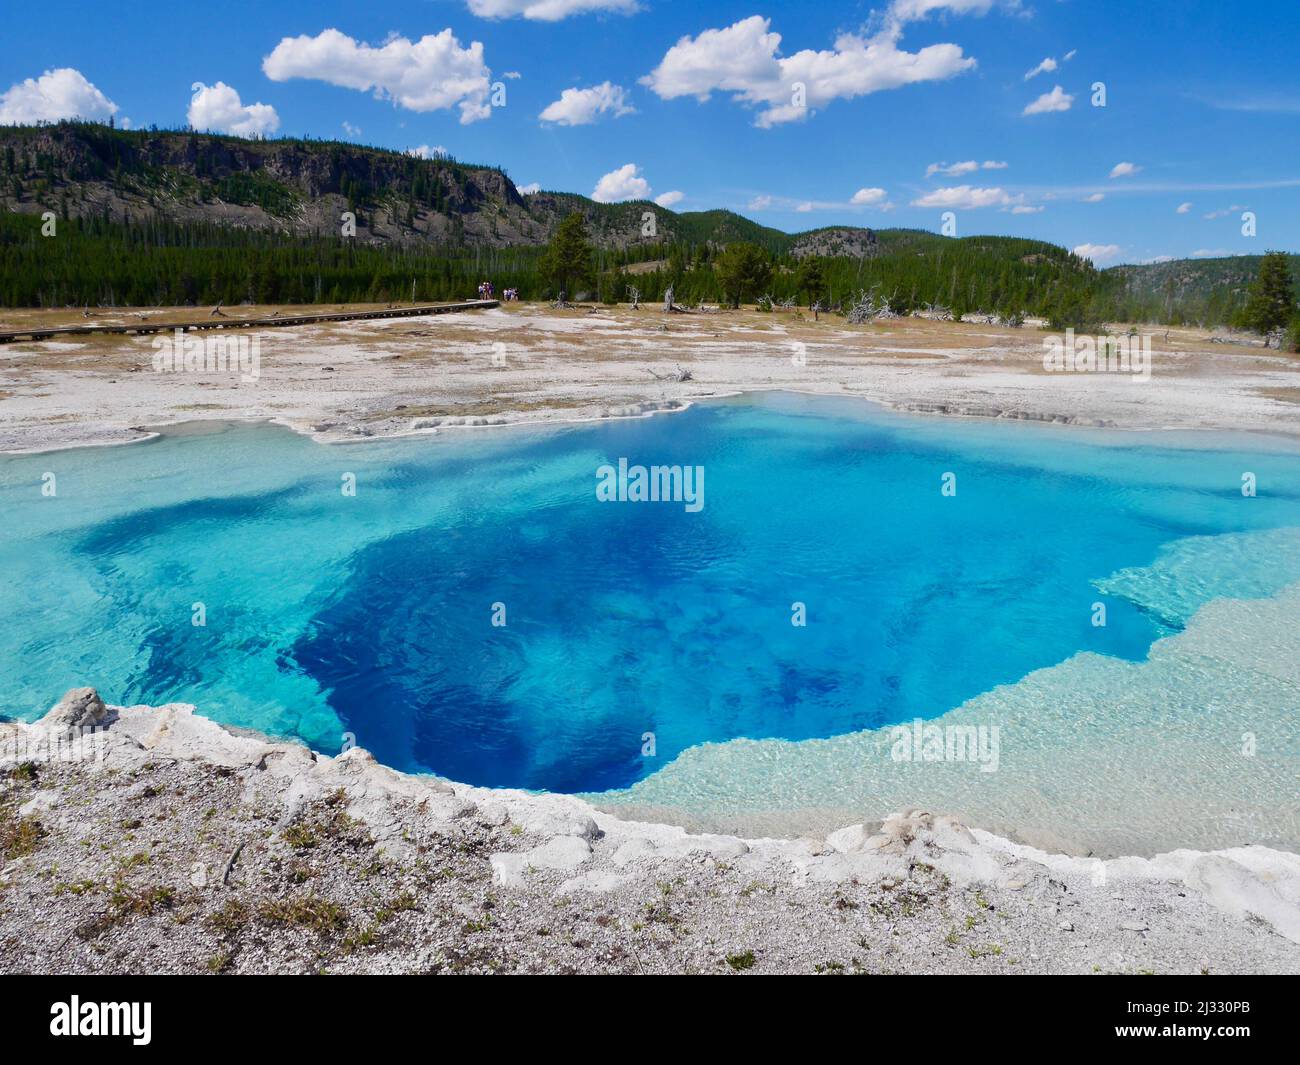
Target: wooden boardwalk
[(144, 326)]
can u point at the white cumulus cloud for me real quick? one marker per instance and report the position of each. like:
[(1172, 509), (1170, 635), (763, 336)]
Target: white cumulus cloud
[(868, 197), (218, 107), (1183, 208), (431, 74), (1098, 253), (1045, 67), (951, 170), (1096, 197), (743, 59), (1056, 100), (548, 10), (1124, 170), (669, 199), (625, 183), (427, 151), (969, 166), (581, 107), (1050, 64), (967, 197), (59, 93), (531, 189), (912, 10)]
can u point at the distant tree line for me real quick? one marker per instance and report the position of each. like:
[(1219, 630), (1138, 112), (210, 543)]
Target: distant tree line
[(96, 260)]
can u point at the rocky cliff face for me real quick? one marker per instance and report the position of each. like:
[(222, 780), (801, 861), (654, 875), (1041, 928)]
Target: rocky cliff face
[(303, 187), (296, 186), (838, 241)]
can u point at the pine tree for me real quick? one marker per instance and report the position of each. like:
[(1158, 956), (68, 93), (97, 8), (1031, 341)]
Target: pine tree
[(810, 279), (1271, 303), (743, 270), (567, 259)]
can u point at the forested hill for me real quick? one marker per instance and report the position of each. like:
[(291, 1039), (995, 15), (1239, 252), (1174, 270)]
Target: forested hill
[(1186, 290), (302, 187), (173, 217)]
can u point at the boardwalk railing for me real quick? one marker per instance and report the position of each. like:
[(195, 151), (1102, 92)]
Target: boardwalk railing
[(145, 326)]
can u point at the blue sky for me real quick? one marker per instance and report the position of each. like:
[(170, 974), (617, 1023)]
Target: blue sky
[(902, 105)]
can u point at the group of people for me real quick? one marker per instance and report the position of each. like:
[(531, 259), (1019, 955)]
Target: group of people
[(487, 291)]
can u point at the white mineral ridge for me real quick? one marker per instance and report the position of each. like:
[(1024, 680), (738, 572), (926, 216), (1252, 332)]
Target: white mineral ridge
[(603, 852)]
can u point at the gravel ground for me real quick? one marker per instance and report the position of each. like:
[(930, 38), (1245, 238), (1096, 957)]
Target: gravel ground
[(190, 848), (526, 364)]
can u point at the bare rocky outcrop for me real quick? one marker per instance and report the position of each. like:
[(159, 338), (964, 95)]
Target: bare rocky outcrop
[(180, 845), (301, 186), (850, 241), (80, 708), (297, 186)]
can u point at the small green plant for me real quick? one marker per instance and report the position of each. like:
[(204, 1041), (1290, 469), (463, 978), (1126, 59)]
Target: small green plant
[(300, 837), (660, 915), (367, 937), (741, 962), (131, 902), (78, 887), (19, 836), (231, 918), (307, 911), (398, 904)]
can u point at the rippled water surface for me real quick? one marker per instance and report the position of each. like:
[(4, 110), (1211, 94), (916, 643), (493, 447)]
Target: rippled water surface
[(372, 614)]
